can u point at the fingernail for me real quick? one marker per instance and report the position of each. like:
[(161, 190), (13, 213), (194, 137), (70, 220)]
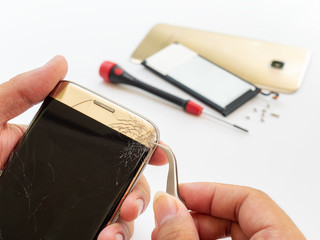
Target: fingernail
[(119, 236), (165, 208), (141, 205)]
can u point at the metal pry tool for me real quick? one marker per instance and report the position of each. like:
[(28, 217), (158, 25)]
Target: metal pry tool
[(172, 179)]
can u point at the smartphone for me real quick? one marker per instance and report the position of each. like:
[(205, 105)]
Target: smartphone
[(76, 163)]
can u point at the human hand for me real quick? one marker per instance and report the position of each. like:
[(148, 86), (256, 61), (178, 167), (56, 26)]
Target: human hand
[(27, 89), (218, 211), (21, 93)]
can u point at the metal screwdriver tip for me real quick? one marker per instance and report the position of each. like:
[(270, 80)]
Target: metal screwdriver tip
[(243, 129), (224, 121)]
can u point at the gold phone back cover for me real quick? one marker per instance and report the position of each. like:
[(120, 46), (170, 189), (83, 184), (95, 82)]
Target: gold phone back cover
[(247, 58)]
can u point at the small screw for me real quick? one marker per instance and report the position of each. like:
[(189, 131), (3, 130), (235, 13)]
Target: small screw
[(275, 115)]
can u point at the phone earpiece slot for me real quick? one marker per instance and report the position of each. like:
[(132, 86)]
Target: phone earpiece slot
[(104, 106)]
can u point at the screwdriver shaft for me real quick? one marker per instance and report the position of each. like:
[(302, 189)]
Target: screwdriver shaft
[(223, 121)]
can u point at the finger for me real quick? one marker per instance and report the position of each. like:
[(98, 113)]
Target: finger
[(10, 135), (137, 201), (27, 89), (23, 127), (121, 230), (209, 227), (214, 199), (253, 209), (173, 221), (237, 233), (159, 157)]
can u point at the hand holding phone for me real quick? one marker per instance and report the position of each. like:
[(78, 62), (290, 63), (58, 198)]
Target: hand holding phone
[(30, 88)]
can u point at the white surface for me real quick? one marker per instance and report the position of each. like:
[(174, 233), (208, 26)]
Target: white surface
[(280, 156)]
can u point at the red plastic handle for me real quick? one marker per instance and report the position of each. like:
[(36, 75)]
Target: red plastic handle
[(193, 108)]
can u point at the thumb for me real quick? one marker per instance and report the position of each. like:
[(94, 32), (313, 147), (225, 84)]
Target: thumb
[(29, 88), (173, 220)]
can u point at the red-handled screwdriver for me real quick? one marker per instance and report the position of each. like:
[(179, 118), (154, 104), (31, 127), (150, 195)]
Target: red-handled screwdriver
[(112, 73)]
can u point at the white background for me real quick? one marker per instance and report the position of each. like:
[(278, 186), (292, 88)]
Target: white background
[(279, 156)]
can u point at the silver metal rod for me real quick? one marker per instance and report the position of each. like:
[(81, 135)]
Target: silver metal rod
[(223, 121)]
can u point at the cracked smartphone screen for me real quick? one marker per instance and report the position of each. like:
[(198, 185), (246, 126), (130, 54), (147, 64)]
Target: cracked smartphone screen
[(67, 176)]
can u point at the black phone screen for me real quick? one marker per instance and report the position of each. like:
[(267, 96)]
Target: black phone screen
[(66, 176)]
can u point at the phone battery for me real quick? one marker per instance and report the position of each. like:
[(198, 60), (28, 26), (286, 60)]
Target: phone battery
[(201, 78)]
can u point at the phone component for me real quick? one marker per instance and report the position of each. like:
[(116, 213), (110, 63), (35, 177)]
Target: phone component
[(95, 106), (112, 73), (277, 64), (275, 115), (268, 93), (247, 58), (262, 114), (202, 79), (104, 106)]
